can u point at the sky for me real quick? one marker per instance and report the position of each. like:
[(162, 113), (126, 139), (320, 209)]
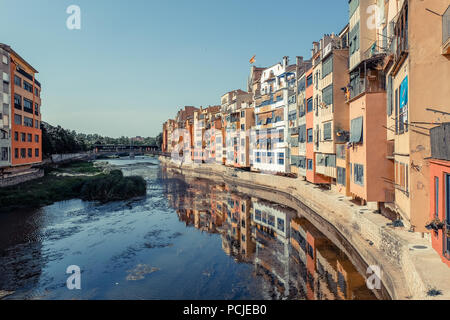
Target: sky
[(133, 64)]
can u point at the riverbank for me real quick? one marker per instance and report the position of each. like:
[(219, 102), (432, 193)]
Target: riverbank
[(80, 179), (411, 269)]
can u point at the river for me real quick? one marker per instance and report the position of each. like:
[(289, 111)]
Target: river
[(187, 239)]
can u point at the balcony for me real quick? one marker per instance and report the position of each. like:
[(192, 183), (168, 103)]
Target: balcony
[(25, 74), (446, 32), (366, 79)]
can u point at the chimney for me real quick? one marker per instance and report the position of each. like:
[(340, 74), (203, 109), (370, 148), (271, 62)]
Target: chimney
[(299, 60), (285, 61)]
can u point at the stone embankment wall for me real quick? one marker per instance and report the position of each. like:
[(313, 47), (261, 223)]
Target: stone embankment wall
[(17, 178)]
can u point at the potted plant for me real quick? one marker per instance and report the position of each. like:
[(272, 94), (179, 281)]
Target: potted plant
[(435, 224)]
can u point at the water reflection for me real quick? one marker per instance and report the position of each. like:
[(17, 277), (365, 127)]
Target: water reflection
[(291, 258)]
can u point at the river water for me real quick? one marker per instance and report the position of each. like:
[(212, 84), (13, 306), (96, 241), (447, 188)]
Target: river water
[(187, 239)]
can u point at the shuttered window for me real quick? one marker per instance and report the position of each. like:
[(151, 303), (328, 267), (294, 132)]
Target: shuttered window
[(354, 39), (302, 162), (327, 131), (389, 97), (327, 95), (341, 179), (358, 173), (356, 130), (327, 66), (302, 133), (352, 6)]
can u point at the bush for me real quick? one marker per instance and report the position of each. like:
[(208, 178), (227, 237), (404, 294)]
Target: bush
[(113, 187), (50, 189)]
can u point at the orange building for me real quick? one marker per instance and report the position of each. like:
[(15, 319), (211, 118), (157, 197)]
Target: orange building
[(25, 113), (311, 175), (440, 191)]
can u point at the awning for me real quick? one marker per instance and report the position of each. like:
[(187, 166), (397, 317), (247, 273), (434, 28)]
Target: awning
[(356, 130), (404, 92)]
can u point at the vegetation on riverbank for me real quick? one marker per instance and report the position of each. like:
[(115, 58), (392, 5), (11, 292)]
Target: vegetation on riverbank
[(81, 180), (57, 140)]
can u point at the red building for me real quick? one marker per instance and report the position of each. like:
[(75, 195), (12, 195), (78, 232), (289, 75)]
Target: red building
[(440, 191)]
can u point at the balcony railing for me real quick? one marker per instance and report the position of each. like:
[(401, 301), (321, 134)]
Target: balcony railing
[(25, 74), (372, 83)]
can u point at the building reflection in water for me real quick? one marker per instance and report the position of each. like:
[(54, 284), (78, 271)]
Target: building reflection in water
[(291, 256)]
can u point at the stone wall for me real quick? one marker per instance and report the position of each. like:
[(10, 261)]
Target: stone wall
[(13, 179)]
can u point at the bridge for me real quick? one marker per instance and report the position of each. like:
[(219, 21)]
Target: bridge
[(125, 150)]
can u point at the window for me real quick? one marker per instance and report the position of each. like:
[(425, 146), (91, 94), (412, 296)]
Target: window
[(359, 174), (30, 153), (22, 137), (327, 131), (36, 124), (27, 86), (18, 101), (354, 39), (327, 95), (309, 80), (310, 135), (28, 122), (242, 126), (16, 136), (257, 215), (17, 81), (16, 153), (27, 105), (353, 5), (396, 111), (5, 59), (281, 158), (280, 224), (309, 105), (258, 157), (389, 97), (242, 114), (310, 164), (36, 138), (302, 133), (18, 119), (327, 66), (271, 220), (36, 92), (341, 179), (436, 197), (4, 154), (23, 153), (29, 137), (281, 135), (356, 130)]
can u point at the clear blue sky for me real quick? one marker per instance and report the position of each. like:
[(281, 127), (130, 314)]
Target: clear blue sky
[(135, 62)]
